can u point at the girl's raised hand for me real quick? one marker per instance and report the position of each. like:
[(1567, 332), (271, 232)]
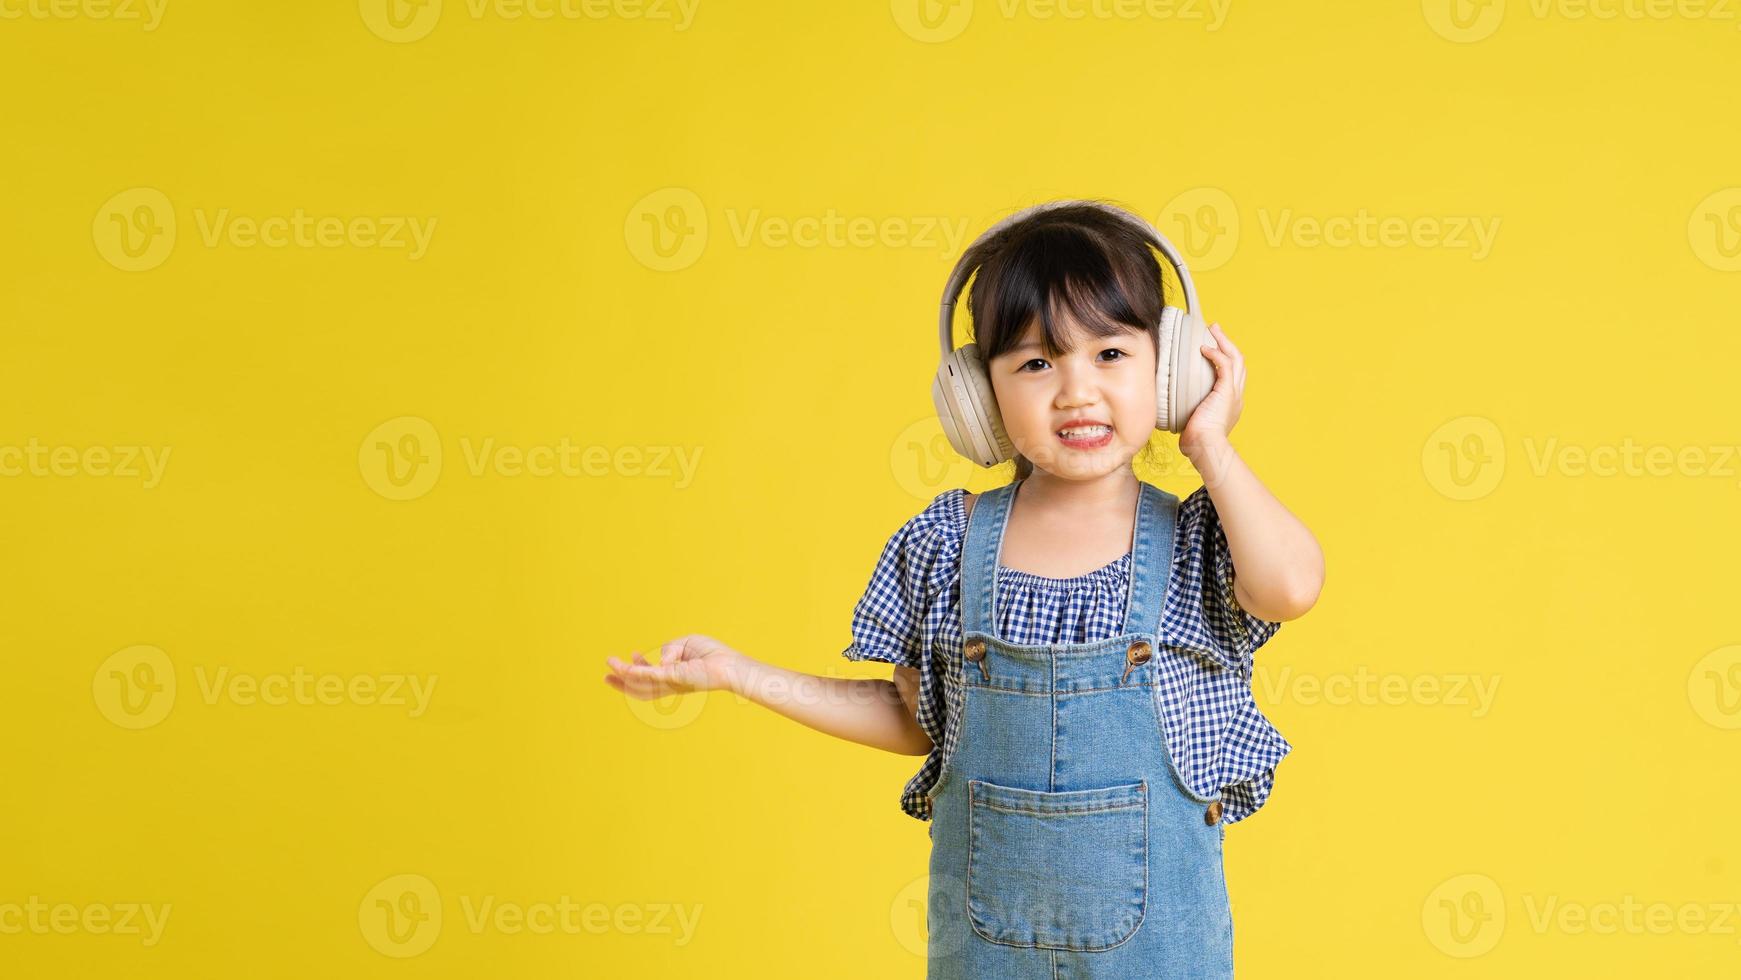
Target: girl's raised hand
[(1215, 416), (688, 663)]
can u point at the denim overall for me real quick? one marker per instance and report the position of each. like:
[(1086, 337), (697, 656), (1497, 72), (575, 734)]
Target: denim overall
[(1064, 842)]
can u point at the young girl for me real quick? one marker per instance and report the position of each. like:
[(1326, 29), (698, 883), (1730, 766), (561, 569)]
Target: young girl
[(1072, 651)]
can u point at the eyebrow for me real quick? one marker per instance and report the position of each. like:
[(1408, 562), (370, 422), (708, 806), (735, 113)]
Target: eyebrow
[(1036, 345)]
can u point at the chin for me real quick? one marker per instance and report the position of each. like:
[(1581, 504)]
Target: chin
[(1082, 466)]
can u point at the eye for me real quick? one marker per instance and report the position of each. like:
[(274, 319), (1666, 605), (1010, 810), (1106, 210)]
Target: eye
[(1114, 350), (1037, 360)]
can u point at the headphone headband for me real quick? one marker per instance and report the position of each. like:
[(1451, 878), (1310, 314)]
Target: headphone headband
[(958, 278)]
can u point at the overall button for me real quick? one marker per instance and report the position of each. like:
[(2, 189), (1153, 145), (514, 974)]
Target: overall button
[(1138, 654), (1212, 815), (975, 652)]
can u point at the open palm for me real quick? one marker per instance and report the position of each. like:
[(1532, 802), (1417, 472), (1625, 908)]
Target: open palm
[(689, 663)]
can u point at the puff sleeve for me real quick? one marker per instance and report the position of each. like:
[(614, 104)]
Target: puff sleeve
[(1210, 618), (889, 620)]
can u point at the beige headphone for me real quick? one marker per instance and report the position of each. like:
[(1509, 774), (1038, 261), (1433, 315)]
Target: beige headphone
[(962, 389)]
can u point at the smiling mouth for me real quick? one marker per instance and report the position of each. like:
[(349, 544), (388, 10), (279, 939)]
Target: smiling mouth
[(1086, 436)]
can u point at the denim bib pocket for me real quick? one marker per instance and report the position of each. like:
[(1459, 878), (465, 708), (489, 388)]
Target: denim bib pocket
[(1057, 869)]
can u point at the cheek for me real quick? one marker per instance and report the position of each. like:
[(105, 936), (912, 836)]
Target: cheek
[(1136, 409), (1020, 409)]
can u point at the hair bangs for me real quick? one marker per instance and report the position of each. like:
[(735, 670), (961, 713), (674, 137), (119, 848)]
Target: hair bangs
[(1071, 263)]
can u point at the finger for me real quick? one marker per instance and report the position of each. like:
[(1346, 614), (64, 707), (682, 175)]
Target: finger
[(659, 676), (1225, 341), (640, 659), (673, 649), (631, 689), (1236, 359), (641, 686), (1223, 367)]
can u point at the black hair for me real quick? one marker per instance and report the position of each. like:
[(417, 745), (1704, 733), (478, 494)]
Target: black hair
[(1077, 258)]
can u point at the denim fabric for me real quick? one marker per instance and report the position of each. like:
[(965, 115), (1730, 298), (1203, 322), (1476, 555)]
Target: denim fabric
[(910, 615), (1064, 841)]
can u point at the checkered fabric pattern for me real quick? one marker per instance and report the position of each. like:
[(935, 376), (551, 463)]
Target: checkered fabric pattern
[(910, 615)]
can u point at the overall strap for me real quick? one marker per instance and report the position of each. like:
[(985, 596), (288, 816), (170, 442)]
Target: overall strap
[(1151, 560), (985, 527)]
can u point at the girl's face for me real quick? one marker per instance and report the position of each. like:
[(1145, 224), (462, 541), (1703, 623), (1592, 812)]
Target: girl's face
[(1106, 380)]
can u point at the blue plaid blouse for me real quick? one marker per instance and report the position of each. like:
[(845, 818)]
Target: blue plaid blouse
[(910, 615)]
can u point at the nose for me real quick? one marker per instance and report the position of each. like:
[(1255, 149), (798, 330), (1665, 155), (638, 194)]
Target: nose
[(1077, 386)]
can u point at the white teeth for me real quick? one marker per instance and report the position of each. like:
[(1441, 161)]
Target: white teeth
[(1086, 431)]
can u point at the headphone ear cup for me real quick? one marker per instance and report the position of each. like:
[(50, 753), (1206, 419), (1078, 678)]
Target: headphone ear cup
[(967, 408), (1166, 347), (1192, 373)]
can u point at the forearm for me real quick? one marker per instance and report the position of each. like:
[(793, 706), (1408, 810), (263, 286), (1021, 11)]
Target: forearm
[(1279, 564), (864, 710)]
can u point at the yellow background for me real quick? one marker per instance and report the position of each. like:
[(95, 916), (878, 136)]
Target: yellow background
[(544, 150)]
